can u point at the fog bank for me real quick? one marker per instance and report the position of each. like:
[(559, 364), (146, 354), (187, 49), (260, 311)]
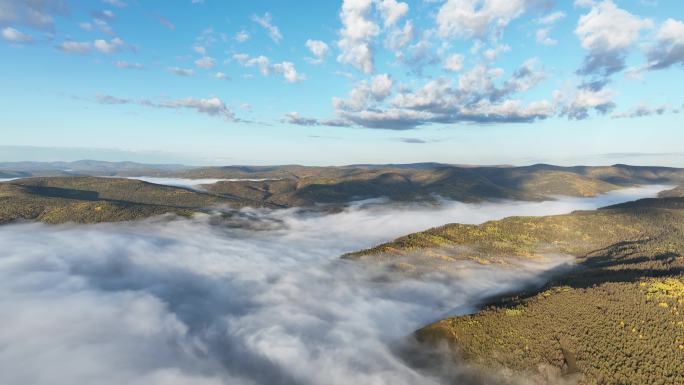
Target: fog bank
[(190, 183), (259, 297)]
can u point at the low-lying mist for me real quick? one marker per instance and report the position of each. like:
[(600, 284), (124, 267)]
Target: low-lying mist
[(191, 183), (259, 297)]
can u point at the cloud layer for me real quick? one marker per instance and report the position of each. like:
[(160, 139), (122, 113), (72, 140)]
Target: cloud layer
[(249, 297)]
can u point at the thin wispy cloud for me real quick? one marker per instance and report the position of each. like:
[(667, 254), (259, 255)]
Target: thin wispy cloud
[(266, 21)]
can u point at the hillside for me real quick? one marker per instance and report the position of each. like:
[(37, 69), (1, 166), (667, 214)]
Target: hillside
[(615, 319), (308, 186), (303, 186), (92, 199)]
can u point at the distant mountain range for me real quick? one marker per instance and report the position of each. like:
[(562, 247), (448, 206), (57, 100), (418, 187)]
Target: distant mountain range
[(303, 186)]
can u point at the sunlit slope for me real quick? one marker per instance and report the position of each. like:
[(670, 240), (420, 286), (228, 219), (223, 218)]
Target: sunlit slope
[(462, 184), (675, 192), (302, 186), (616, 319), (93, 199)]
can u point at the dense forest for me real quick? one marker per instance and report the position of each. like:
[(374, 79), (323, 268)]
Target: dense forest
[(617, 318)]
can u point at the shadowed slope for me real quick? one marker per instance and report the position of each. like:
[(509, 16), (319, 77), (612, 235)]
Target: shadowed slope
[(92, 199)]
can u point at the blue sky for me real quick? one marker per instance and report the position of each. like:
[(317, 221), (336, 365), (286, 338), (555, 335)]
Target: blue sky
[(328, 82)]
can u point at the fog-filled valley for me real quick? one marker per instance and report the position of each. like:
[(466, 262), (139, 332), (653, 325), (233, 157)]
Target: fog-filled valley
[(249, 296)]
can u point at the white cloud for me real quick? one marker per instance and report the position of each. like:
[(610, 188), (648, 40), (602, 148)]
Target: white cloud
[(493, 53), (542, 36), (200, 49), (356, 35), (551, 18), (181, 71), (381, 86), (15, 36), (586, 99), (607, 28), (115, 3), (296, 119), (266, 22), (70, 46), (643, 110), (108, 47), (392, 11), (260, 61), (397, 38), (454, 63), (607, 32), (480, 95), (289, 72), (669, 49), (221, 76), (129, 65), (104, 15), (33, 13), (212, 106), (205, 62), (287, 69), (477, 18), (180, 302), (319, 49), (242, 36), (584, 3)]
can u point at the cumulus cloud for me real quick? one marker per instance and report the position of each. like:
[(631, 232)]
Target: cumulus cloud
[(477, 18), (15, 36), (398, 38), (392, 11), (286, 69), (480, 95), (108, 47), (418, 55), (607, 32), (356, 35), (204, 302), (212, 106), (587, 99), (318, 49), (266, 22), (205, 62), (34, 13), (669, 49), (453, 63)]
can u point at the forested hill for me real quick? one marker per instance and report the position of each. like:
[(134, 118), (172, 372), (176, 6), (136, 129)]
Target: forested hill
[(618, 318), (303, 186)]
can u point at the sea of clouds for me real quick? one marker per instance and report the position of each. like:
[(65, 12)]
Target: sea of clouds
[(248, 297)]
